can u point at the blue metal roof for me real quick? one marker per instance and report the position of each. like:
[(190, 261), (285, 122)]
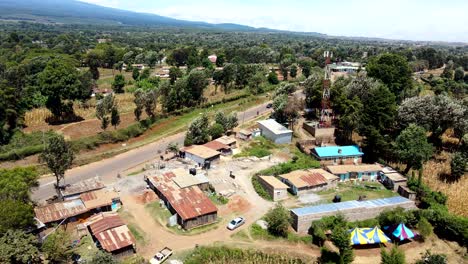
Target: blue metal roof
[(338, 151), (332, 207)]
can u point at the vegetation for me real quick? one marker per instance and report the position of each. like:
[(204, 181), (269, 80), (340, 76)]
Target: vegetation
[(395, 256), (57, 246), (102, 257), (299, 161), (278, 220), (18, 247), (412, 147), (260, 190), (340, 238), (429, 258), (260, 147), (425, 228)]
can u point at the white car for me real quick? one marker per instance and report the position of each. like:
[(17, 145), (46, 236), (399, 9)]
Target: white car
[(235, 223), (161, 256)]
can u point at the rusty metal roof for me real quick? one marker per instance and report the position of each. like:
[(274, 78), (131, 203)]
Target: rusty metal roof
[(111, 231), (98, 198), (83, 186), (304, 178), (216, 145), (189, 202), (59, 211)]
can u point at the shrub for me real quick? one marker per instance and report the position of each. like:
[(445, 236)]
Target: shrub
[(278, 220), (216, 131), (298, 162), (396, 216), (260, 190), (395, 256), (425, 228), (429, 258)]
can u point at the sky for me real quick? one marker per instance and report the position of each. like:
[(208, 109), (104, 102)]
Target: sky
[(435, 20)]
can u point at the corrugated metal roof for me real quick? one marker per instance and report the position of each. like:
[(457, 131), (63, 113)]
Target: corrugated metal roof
[(305, 178), (83, 186), (338, 151), (226, 140), (59, 211), (274, 126), (189, 202), (111, 231), (216, 145), (202, 151), (332, 207), (98, 198)]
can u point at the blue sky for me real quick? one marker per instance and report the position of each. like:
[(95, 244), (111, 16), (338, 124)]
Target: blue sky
[(436, 20)]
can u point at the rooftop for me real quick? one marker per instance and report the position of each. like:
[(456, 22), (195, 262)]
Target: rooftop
[(111, 231), (332, 207), (184, 179), (305, 178), (189, 202), (216, 145), (395, 177), (58, 211), (226, 140), (98, 198), (274, 126), (83, 186), (338, 151), (202, 151), (273, 182), (341, 169)]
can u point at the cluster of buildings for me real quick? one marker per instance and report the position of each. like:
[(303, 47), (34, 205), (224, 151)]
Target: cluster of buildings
[(89, 207)]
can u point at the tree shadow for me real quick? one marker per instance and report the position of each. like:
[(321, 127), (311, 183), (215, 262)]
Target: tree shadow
[(70, 118), (448, 178)]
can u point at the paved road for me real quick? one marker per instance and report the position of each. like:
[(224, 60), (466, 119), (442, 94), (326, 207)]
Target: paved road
[(109, 168)]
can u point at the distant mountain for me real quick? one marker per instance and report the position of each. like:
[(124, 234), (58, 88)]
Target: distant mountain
[(76, 12)]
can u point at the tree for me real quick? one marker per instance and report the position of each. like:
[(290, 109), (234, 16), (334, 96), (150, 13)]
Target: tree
[(280, 103), (115, 117), (340, 238), (220, 60), (447, 73), (293, 71), (196, 84), (135, 74), (395, 256), (145, 74), (218, 79), (255, 82), (198, 132), (459, 74), (150, 102), (57, 246), (392, 70), (58, 156), (313, 90), (60, 81), (174, 74), (118, 84), (101, 257), (412, 148), (104, 109), (173, 147), (272, 77), (425, 228), (278, 219), (292, 109), (93, 60), (458, 165), (18, 247), (216, 130)]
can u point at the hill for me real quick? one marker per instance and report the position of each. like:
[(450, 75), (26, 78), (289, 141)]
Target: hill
[(76, 12)]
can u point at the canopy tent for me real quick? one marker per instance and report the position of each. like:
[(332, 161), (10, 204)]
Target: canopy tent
[(357, 237), (375, 235), (401, 232)]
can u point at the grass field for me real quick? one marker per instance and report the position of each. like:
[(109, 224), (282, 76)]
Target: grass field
[(350, 191)]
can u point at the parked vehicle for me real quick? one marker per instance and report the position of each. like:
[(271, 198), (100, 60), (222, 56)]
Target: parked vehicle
[(161, 256), (270, 105), (235, 223)]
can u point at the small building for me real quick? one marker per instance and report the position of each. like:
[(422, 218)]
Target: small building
[(275, 188), (112, 234), (336, 155), (244, 134), (301, 181), (392, 179), (360, 172), (139, 66), (351, 210), (192, 207), (201, 154), (229, 141), (220, 147), (406, 192), (213, 58), (322, 134), (101, 200), (57, 212), (73, 191), (183, 178), (275, 132)]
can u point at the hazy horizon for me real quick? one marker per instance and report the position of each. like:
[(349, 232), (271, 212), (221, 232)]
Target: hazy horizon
[(428, 20)]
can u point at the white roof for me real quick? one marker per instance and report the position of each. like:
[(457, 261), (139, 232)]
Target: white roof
[(274, 126)]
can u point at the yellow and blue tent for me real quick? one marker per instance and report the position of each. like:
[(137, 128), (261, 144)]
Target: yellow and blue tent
[(375, 235), (357, 237)]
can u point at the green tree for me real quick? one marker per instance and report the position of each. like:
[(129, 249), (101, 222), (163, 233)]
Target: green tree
[(313, 90), (216, 130), (115, 117), (255, 82), (272, 77), (340, 238), (395, 256), (425, 228), (118, 84), (101, 257), (393, 70), (198, 131), (145, 74), (412, 148), (174, 74), (459, 74), (18, 247), (135, 74), (94, 61), (58, 156), (104, 109), (150, 102), (293, 71), (57, 246), (458, 165), (278, 219)]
